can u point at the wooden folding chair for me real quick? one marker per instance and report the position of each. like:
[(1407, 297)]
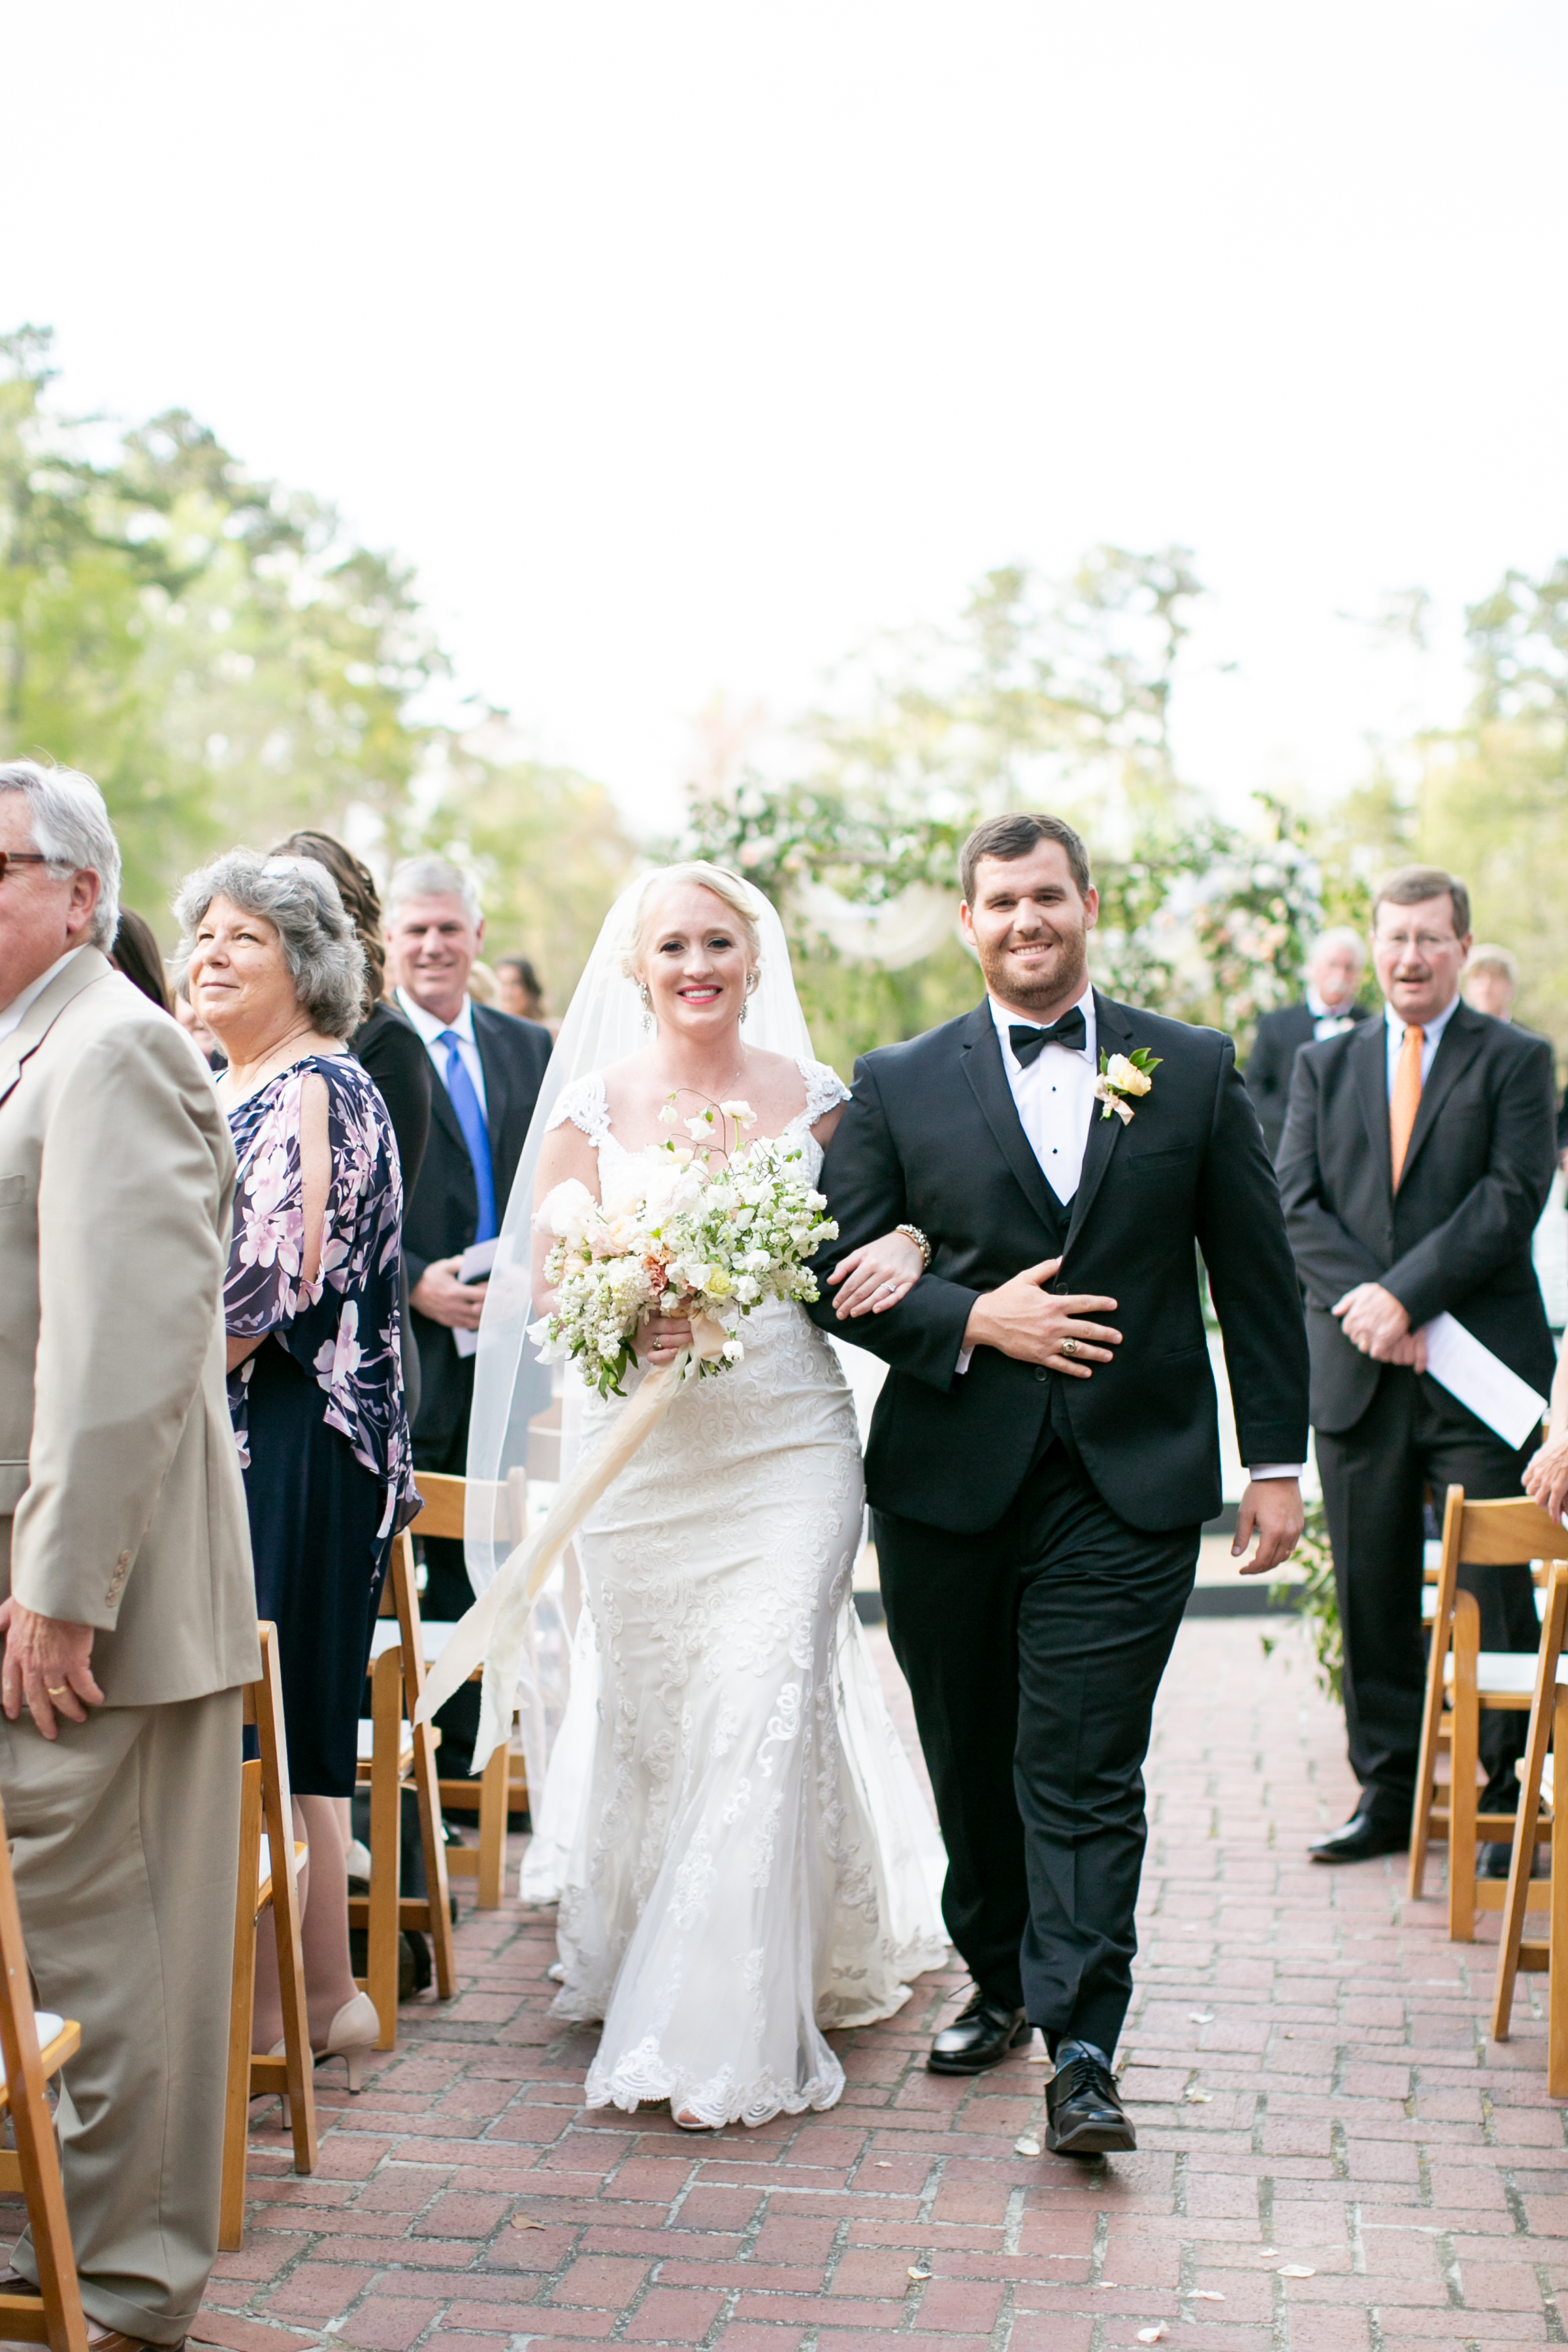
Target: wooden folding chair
[(1547, 1740), (1469, 1678), (270, 1858), (502, 1786), (397, 1753), (34, 2045)]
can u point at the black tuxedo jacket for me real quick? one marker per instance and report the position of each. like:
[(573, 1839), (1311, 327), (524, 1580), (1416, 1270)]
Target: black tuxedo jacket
[(1457, 1234), (1280, 1037), (441, 1214), (931, 1136)]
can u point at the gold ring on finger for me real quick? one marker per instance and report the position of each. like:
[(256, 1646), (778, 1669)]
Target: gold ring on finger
[(57, 1690), (1069, 1346)]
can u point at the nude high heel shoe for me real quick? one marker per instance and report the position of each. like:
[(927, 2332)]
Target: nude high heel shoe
[(351, 2036)]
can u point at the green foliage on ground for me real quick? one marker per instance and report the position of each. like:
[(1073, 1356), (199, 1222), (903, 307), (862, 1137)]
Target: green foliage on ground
[(1315, 1597)]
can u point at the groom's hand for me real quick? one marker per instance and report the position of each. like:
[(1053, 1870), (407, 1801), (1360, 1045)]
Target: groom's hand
[(1030, 1323), (1271, 1510)]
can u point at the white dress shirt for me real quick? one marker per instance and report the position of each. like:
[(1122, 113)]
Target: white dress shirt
[(1055, 1100), (1432, 1039), (1328, 1020), (16, 1011), (431, 1031), (1055, 1095)]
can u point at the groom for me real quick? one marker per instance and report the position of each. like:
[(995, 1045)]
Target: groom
[(1045, 1451)]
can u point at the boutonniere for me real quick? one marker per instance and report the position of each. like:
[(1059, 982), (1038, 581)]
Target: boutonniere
[(1121, 1076)]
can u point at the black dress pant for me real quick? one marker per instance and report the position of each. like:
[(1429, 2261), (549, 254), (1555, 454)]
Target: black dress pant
[(1033, 1651), (448, 1596), (1413, 1435)]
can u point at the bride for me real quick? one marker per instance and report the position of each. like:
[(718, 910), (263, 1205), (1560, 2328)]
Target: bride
[(741, 1854)]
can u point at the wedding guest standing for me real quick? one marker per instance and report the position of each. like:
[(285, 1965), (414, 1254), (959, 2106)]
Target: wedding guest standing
[(314, 1384), (1416, 1161), (1491, 980), (136, 953), (519, 990), (1334, 971), (486, 1066), (129, 1615), (385, 1043)]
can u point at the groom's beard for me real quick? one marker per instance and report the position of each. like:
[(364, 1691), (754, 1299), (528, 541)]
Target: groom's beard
[(1049, 986)]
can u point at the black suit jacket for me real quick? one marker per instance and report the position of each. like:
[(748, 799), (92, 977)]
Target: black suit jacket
[(441, 1214), (1280, 1037), (931, 1135), (388, 1046), (1456, 1236)]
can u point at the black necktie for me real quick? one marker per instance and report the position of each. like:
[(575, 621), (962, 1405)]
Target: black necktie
[(1071, 1030)]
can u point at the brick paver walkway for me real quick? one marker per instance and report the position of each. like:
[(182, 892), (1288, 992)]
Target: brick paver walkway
[(1332, 2156)]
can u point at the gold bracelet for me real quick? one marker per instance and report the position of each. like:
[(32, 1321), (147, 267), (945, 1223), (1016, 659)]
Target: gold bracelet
[(913, 1233)]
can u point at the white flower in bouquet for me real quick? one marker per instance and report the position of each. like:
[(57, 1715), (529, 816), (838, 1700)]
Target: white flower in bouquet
[(680, 1232)]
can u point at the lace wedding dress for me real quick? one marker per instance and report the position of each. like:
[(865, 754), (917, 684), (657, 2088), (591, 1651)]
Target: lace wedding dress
[(745, 1857)]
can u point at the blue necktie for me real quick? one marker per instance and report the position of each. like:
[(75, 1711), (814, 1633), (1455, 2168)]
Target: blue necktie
[(476, 1135)]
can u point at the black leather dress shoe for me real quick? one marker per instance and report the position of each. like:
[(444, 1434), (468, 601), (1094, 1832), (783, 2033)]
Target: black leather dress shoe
[(1084, 2116), (979, 2036), (1363, 1836), (1496, 1860)]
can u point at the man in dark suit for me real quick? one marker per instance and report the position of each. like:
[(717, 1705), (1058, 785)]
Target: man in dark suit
[(486, 1068), (1038, 1475), (1334, 973), (1416, 1160)]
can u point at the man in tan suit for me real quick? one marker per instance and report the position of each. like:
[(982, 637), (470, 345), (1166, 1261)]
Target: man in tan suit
[(127, 1604)]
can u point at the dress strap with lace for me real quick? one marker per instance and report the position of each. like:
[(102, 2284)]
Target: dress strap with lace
[(824, 1089), (584, 1103)]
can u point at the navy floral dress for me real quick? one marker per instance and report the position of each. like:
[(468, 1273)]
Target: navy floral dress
[(318, 1409)]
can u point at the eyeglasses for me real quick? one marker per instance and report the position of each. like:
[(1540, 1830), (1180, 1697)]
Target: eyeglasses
[(9, 857), (1426, 943)]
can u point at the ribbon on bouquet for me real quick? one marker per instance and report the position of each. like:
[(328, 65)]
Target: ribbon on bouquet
[(493, 1632)]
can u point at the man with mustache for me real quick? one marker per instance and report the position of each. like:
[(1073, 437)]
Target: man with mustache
[(1416, 1163)]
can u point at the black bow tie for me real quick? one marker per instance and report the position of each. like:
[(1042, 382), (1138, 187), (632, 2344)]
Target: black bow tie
[(1071, 1030)]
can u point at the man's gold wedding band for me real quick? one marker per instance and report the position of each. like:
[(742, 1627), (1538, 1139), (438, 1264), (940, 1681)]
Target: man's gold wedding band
[(57, 1690)]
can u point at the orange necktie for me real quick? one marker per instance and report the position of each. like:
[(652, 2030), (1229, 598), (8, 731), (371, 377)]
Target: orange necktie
[(1405, 1099)]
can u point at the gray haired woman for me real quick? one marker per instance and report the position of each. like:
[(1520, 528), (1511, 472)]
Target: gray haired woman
[(276, 973)]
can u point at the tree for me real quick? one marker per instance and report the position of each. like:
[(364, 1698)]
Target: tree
[(217, 651), (549, 847), (1056, 696), (1488, 799)]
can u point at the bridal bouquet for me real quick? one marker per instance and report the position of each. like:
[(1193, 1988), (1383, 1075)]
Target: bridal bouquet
[(692, 1230)]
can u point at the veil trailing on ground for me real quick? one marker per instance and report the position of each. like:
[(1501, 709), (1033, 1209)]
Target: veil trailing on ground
[(512, 1390)]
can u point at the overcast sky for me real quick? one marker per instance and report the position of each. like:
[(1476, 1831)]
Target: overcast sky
[(680, 348)]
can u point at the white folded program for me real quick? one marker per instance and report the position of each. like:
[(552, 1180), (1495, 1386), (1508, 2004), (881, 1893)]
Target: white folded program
[(473, 1267), (1481, 1381), (48, 2025)]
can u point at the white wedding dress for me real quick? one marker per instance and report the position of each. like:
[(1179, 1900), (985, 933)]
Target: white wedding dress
[(743, 1856)]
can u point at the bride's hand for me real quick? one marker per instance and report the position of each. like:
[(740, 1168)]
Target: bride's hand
[(876, 1276), (658, 1343)]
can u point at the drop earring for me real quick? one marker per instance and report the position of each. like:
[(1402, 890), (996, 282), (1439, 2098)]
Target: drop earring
[(646, 1005)]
